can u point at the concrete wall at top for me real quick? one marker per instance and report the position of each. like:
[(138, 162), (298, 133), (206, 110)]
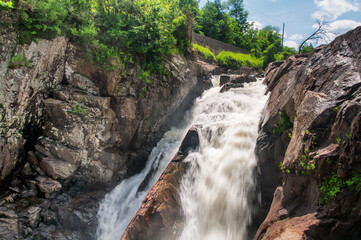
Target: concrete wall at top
[(216, 46)]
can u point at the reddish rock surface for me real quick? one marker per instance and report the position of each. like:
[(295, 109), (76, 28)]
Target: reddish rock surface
[(160, 215)]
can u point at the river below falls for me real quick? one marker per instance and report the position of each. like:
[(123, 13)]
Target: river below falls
[(218, 192)]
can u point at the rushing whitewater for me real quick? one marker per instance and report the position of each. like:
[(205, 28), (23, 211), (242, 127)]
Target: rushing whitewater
[(217, 191), (119, 206)]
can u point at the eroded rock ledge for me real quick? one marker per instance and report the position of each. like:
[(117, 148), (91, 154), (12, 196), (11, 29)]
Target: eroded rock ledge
[(310, 132)]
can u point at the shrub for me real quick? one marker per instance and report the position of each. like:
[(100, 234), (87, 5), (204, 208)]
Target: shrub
[(18, 61), (236, 60), (329, 188), (77, 109), (354, 183), (284, 125), (207, 54)]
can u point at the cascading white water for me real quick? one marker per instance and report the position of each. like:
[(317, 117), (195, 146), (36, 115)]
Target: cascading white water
[(221, 176), (217, 193), (121, 204)]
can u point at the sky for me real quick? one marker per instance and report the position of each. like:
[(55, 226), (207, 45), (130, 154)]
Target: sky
[(300, 16)]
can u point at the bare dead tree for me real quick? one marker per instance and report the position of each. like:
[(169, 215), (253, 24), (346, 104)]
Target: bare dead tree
[(320, 34)]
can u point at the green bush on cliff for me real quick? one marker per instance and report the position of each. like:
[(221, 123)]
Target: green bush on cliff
[(329, 188), (205, 52), (139, 32), (332, 185), (18, 61), (236, 60)]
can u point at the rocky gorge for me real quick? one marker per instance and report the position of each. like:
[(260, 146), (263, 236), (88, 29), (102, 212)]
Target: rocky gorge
[(309, 144), (308, 152), (70, 131)]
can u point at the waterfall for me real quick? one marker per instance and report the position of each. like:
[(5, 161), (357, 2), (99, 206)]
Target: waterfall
[(216, 191), (121, 204)]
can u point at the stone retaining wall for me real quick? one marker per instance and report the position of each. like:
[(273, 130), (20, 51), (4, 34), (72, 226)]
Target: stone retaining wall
[(214, 45)]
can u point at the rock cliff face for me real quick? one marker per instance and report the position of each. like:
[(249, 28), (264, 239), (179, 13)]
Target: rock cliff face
[(310, 136), (70, 129)]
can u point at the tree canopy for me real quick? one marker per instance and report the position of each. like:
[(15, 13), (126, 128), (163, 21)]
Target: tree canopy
[(144, 31)]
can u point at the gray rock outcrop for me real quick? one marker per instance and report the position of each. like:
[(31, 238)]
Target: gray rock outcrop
[(310, 133)]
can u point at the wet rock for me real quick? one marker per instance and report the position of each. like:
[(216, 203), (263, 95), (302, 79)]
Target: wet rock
[(223, 79), (243, 79), (228, 86), (160, 215), (190, 141)]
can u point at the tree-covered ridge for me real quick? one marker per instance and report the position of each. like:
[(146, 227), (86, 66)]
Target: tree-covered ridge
[(227, 22), (143, 31)]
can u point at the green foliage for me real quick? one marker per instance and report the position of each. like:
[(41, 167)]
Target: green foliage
[(6, 5), (329, 188), (206, 53), (286, 52), (285, 124), (1, 105), (77, 109), (236, 60), (145, 77), (18, 61), (354, 183), (332, 185), (307, 165), (338, 140), (144, 32), (307, 48), (349, 136), (236, 11), (281, 166)]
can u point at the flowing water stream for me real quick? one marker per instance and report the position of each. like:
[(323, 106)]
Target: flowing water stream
[(217, 193)]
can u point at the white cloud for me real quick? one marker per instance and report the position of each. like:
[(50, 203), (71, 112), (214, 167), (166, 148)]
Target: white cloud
[(257, 24), (332, 9), (342, 26), (336, 28), (291, 44), (296, 37)]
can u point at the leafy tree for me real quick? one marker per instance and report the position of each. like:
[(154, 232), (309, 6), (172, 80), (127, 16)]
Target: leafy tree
[(307, 48), (236, 11)]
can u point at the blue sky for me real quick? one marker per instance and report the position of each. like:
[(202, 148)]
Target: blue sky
[(300, 16)]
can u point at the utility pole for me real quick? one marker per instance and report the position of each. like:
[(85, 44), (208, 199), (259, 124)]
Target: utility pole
[(283, 34)]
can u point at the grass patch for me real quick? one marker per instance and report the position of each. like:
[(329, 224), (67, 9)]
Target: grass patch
[(207, 54), (18, 61), (6, 5), (236, 60)]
